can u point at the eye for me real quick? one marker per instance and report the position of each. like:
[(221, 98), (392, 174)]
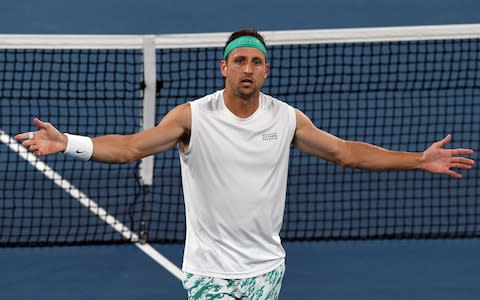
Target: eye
[(257, 62), (238, 60)]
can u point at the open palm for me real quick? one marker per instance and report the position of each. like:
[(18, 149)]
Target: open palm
[(46, 140), (437, 159)]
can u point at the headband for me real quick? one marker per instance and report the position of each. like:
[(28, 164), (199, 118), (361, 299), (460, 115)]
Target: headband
[(245, 41)]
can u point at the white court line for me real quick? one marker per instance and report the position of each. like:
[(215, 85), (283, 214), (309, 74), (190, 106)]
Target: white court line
[(89, 203)]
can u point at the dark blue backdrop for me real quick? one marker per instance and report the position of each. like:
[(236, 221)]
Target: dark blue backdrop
[(188, 16)]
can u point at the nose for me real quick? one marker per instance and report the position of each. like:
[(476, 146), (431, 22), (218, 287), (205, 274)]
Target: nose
[(248, 68)]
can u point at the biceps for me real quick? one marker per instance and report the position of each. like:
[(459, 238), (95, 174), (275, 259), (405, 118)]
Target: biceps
[(173, 127), (319, 143), (158, 139), (314, 141)]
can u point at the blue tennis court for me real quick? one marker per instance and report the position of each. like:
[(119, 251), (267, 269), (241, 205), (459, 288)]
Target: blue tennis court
[(395, 270)]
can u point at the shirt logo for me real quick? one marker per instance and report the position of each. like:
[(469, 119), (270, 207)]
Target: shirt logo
[(269, 136)]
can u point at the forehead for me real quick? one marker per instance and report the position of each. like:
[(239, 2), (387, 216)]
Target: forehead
[(247, 52)]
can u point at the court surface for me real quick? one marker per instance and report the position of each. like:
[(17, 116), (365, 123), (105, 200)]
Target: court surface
[(434, 269)]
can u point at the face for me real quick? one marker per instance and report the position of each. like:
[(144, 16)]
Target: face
[(244, 71)]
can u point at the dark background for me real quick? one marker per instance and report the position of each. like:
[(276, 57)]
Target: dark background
[(189, 16)]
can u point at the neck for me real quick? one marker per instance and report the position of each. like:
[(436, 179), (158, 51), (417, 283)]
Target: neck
[(242, 107)]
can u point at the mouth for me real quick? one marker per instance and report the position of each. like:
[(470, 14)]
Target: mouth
[(246, 82)]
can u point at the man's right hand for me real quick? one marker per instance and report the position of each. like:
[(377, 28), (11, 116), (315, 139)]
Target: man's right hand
[(45, 141)]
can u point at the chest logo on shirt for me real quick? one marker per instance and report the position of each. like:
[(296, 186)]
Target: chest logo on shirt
[(269, 136)]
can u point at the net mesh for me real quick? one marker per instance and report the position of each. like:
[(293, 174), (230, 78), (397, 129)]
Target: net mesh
[(402, 95), (89, 92)]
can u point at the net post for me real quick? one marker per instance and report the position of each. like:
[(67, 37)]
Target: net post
[(149, 99)]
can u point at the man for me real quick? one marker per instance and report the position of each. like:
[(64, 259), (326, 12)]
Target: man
[(234, 149)]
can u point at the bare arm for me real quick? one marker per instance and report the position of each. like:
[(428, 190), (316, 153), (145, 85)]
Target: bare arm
[(435, 159), (174, 127), (118, 148)]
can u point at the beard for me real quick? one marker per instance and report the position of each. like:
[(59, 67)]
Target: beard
[(246, 92)]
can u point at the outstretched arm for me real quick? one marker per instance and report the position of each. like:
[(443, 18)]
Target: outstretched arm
[(435, 159), (174, 128)]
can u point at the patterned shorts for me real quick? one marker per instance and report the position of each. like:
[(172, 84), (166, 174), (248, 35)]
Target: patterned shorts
[(263, 287)]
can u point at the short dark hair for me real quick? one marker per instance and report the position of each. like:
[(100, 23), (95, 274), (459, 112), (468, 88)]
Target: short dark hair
[(244, 32)]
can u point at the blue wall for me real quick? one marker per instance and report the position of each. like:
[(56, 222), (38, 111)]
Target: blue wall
[(189, 16)]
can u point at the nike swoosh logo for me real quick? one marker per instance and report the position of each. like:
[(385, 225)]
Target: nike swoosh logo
[(80, 152)]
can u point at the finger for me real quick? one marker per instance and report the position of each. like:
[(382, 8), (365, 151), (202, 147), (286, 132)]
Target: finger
[(40, 124), (27, 143), (460, 166), (454, 174), (463, 160), (33, 148), (445, 140), (25, 136), (462, 151), (21, 136)]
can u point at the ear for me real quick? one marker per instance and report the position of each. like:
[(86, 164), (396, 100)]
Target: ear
[(223, 67), (267, 70)]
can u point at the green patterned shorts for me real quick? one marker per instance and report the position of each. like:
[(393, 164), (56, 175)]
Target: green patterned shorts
[(263, 287)]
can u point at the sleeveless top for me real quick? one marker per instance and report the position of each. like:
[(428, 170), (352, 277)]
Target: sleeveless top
[(234, 176)]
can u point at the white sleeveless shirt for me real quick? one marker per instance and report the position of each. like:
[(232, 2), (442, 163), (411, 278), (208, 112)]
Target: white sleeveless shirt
[(234, 177)]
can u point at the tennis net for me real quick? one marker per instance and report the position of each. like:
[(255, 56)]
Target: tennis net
[(401, 88)]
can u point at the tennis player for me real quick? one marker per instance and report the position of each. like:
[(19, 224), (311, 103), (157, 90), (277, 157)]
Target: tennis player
[(234, 149)]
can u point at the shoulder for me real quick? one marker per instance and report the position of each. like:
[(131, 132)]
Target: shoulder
[(302, 120), (185, 110), (179, 115), (280, 110), (183, 113), (278, 107), (210, 103), (270, 102), (210, 100)]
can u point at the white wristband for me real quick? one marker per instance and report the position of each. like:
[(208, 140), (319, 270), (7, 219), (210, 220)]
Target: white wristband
[(79, 146)]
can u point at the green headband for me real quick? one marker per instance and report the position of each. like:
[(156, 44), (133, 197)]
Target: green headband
[(245, 41)]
